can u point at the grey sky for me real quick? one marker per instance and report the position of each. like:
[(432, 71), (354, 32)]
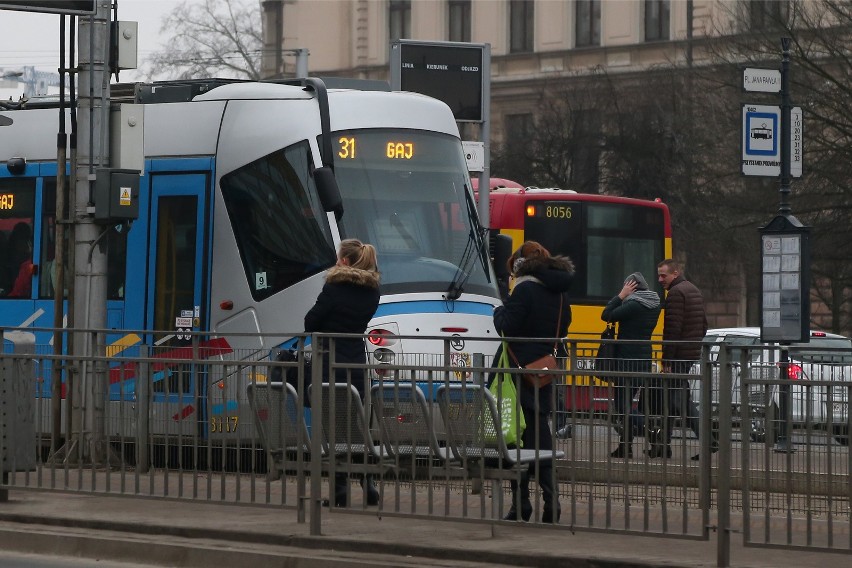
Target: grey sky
[(28, 38)]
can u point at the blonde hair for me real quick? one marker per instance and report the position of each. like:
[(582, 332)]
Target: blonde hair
[(358, 254)]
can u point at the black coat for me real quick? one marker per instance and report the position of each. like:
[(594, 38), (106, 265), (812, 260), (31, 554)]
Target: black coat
[(532, 310), (346, 304)]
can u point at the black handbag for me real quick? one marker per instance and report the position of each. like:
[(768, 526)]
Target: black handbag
[(605, 359)]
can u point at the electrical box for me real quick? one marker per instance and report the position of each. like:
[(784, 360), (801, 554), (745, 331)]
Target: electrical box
[(474, 155), (127, 136), (126, 45), (116, 195), (17, 403)]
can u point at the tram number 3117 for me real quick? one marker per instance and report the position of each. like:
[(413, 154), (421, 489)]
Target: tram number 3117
[(219, 424)]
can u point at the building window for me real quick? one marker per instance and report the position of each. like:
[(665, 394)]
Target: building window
[(657, 19), (459, 20), (521, 26), (767, 14), (399, 19), (588, 22), (519, 128)]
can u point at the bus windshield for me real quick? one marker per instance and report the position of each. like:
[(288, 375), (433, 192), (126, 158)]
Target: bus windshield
[(407, 193), (606, 242)]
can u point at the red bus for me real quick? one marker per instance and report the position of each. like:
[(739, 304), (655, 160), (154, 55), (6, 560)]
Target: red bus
[(606, 237)]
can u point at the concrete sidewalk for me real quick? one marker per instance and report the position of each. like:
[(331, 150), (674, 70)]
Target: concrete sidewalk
[(189, 533)]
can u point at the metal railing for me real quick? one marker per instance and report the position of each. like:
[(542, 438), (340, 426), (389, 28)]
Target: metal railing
[(202, 421)]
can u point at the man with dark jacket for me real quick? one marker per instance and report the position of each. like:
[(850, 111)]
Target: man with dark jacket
[(684, 327)]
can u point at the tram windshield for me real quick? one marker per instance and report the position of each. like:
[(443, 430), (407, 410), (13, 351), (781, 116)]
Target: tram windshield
[(407, 193)]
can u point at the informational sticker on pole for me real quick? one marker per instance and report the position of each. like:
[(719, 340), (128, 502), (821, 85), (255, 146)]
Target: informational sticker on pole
[(761, 129), (797, 134), (761, 80)]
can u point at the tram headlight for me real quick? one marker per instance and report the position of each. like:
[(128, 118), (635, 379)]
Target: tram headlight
[(383, 355)]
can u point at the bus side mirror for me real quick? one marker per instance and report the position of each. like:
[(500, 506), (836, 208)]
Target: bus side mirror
[(502, 252), (329, 193)]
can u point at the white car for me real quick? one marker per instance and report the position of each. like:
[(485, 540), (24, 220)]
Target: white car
[(827, 357)]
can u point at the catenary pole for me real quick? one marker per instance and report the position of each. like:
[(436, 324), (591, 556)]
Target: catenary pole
[(90, 248)]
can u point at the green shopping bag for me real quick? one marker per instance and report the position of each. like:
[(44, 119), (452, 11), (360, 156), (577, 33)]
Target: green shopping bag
[(512, 420)]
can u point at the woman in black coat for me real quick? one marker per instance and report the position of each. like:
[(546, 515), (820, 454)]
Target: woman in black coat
[(533, 310), (636, 310), (346, 304)]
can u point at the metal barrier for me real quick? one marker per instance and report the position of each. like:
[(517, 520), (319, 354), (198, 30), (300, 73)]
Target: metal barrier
[(206, 422)]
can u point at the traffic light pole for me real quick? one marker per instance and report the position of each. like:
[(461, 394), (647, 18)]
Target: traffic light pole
[(783, 444)]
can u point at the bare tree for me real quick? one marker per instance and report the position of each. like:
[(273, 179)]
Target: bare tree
[(214, 38)]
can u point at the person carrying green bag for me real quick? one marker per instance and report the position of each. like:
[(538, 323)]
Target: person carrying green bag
[(537, 307)]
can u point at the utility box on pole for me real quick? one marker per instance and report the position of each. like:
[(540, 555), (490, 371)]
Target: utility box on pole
[(17, 403), (116, 195)]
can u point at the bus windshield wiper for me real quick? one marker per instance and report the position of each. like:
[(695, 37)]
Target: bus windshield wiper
[(474, 247)]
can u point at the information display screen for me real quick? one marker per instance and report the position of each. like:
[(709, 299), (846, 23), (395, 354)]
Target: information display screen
[(452, 74), (74, 7)]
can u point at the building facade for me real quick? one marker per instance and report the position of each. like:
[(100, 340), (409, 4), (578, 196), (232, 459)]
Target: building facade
[(532, 41), (535, 44)]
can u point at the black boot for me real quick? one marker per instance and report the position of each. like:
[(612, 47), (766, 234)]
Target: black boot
[(551, 511), (714, 446), (660, 451), (660, 443), (624, 450), (341, 490), (372, 493), (524, 495)]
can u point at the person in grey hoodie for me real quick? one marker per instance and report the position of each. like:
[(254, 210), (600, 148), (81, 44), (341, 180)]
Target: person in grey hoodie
[(636, 309)]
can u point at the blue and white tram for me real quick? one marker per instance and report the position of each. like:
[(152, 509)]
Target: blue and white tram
[(234, 232)]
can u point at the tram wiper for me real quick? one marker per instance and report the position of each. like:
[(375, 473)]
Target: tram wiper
[(475, 244)]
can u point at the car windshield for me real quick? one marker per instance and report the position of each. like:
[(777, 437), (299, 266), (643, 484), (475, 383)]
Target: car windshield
[(732, 340), (820, 350)]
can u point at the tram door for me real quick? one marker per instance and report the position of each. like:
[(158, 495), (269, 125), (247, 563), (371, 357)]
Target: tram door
[(176, 299)]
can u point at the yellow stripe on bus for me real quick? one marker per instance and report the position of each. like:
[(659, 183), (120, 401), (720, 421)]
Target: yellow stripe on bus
[(120, 345)]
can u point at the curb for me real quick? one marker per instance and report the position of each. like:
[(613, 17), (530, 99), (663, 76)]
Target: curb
[(120, 540)]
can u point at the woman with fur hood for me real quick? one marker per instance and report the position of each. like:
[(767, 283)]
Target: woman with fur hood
[(541, 282), (346, 304)]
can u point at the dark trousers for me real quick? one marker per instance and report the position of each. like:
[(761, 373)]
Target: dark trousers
[(622, 408), (537, 435), (624, 389), (673, 399)]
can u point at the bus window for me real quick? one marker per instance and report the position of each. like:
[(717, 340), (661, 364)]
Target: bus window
[(17, 210), (116, 262), (280, 226), (606, 241), (116, 250), (410, 200), (47, 268)]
